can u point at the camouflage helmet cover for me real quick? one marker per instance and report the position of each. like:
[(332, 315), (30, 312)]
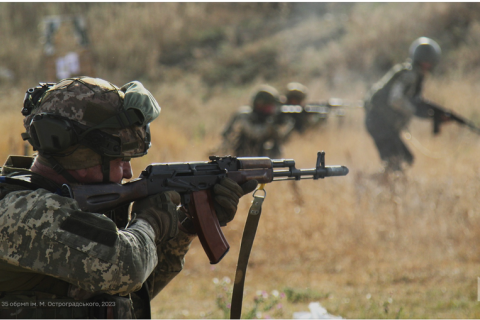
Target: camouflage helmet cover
[(95, 103), (426, 50), (296, 90)]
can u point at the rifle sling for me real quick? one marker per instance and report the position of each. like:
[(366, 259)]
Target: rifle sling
[(245, 248)]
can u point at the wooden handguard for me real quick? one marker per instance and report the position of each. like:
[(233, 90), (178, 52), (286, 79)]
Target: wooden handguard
[(207, 226)]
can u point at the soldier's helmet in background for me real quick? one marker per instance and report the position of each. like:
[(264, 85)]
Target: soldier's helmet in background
[(425, 50), (296, 91), (265, 94), (82, 122)]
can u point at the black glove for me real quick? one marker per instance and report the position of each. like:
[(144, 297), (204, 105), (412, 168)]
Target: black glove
[(160, 211), (226, 195)]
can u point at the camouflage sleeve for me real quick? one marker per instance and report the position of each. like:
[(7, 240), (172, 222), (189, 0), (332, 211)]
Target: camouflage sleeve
[(401, 93), (229, 126), (47, 234), (285, 128), (171, 258)]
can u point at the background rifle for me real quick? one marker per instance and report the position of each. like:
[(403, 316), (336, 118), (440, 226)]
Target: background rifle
[(333, 105), (314, 113), (194, 181), (439, 115)]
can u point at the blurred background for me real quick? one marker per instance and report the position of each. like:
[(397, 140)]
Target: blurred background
[(362, 247)]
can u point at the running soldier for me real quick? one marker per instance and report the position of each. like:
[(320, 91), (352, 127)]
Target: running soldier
[(391, 103)]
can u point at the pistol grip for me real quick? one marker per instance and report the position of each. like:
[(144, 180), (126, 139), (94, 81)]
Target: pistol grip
[(207, 226)]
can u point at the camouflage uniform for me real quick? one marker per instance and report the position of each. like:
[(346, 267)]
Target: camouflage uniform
[(254, 135), (86, 256)]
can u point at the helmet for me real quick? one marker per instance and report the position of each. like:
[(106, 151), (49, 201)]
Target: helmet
[(265, 94), (425, 50), (82, 122), (296, 91)]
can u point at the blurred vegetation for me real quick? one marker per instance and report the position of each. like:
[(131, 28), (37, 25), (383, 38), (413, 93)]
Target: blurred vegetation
[(231, 44)]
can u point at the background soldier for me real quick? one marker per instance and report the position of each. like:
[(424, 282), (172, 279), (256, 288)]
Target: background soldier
[(391, 102), (258, 130), (296, 95), (58, 256)]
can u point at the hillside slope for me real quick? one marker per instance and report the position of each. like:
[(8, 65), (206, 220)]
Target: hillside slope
[(231, 44)]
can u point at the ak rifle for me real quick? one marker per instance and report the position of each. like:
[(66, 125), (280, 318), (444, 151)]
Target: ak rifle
[(439, 115), (194, 181), (333, 105)]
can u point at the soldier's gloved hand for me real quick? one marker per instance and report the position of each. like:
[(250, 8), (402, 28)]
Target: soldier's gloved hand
[(226, 195), (160, 211)]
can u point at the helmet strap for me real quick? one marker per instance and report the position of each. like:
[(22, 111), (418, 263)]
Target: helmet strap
[(59, 168), (106, 169)]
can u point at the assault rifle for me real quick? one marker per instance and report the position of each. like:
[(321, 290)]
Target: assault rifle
[(440, 115), (314, 113), (323, 109), (194, 181)]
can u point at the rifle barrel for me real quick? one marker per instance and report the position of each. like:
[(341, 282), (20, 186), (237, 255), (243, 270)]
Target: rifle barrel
[(314, 173)]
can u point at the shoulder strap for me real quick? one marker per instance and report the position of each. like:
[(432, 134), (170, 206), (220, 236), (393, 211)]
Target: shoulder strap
[(245, 248)]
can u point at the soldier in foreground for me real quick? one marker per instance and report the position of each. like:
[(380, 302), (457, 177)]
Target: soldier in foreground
[(391, 103), (57, 261), (258, 130)]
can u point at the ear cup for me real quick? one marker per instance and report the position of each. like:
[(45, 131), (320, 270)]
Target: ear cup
[(51, 134)]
